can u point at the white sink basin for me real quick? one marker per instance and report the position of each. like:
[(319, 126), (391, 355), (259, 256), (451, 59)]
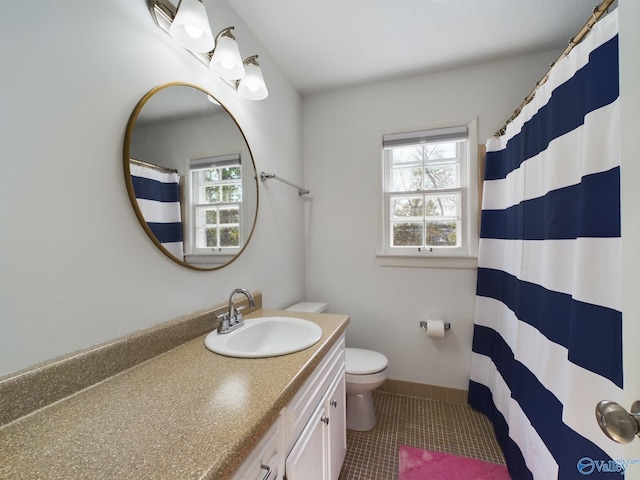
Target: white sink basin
[(265, 337)]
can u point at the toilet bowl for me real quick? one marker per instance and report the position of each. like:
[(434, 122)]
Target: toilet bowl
[(366, 370)]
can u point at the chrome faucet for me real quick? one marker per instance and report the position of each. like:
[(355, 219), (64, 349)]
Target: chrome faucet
[(232, 320)]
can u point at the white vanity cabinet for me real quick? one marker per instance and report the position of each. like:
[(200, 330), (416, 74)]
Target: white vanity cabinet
[(317, 421), (308, 441)]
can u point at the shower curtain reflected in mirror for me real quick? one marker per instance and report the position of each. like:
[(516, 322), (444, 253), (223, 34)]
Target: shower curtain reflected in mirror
[(158, 196)]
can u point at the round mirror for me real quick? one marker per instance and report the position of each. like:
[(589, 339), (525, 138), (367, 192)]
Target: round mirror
[(190, 176)]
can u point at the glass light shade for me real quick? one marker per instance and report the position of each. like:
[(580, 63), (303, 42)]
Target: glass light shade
[(252, 85), (190, 28), (226, 61)]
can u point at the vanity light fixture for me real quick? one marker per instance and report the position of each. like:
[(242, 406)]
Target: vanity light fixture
[(252, 85), (226, 61), (190, 26), (195, 35)]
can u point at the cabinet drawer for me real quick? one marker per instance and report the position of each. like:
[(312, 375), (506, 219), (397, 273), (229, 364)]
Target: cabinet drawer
[(266, 453), (303, 404)]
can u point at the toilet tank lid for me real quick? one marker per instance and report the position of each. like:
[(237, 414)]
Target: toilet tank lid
[(359, 361), (309, 307)]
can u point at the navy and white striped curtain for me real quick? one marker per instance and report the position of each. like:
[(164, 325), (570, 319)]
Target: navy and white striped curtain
[(547, 343), (158, 197)]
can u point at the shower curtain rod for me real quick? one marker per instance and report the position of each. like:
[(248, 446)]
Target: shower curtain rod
[(598, 12), (153, 166)]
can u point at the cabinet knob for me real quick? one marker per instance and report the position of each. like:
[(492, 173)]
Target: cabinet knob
[(334, 403), (325, 420)]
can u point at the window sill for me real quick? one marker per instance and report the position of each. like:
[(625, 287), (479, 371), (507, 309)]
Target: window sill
[(427, 261), (209, 260)]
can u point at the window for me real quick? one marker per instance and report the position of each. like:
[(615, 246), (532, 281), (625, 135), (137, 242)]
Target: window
[(216, 205), (426, 193)]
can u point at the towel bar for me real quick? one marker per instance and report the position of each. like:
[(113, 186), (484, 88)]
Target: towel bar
[(265, 176)]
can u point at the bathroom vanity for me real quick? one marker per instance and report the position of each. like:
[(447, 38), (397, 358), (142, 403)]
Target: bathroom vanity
[(308, 438), (191, 414)]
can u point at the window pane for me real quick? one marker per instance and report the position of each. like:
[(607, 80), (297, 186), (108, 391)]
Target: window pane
[(212, 237), (206, 237), (211, 195), (402, 207), (229, 215), (210, 175), (231, 193), (231, 173), (410, 154), (442, 234), (230, 237), (407, 234), (206, 216), (441, 176), (211, 217), (441, 150), (406, 179), (442, 205)]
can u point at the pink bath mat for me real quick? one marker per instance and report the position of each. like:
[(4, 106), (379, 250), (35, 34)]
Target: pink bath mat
[(418, 464)]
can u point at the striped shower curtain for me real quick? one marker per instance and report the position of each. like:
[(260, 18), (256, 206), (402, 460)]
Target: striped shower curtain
[(158, 197), (547, 342)]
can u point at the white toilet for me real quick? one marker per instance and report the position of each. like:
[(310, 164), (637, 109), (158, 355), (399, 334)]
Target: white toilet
[(366, 371)]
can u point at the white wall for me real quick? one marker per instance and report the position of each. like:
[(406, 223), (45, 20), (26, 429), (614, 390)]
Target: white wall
[(630, 178), (342, 157), (77, 269)]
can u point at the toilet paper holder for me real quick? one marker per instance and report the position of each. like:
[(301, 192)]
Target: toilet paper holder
[(423, 324)]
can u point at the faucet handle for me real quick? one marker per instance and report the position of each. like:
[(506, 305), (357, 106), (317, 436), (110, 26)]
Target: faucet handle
[(237, 318), (223, 322)]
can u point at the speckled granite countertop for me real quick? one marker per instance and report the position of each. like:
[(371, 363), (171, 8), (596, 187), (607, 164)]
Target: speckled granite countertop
[(185, 414)]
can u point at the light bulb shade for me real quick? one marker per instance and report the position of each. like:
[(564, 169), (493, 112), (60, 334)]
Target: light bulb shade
[(226, 61), (190, 27), (252, 85)]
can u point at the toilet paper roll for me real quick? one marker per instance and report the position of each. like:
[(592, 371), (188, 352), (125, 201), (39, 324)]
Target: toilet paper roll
[(435, 328)]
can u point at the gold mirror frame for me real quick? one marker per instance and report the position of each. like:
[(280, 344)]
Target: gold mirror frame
[(130, 190)]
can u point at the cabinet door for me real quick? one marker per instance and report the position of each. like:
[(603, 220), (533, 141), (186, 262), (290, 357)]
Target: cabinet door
[(307, 460), (337, 438)]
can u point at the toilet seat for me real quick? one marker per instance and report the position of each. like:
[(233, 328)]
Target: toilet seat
[(359, 361), (366, 379)]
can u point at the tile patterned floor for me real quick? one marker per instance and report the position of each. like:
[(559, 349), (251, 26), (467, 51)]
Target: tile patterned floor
[(416, 422)]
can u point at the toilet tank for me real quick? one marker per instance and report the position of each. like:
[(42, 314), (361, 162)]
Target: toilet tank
[(309, 307)]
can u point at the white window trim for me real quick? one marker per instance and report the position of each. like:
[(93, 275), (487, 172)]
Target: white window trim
[(467, 260)]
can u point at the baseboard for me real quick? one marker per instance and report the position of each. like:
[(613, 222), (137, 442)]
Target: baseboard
[(433, 392)]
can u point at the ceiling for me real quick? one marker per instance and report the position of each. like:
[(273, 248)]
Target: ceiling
[(328, 44)]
